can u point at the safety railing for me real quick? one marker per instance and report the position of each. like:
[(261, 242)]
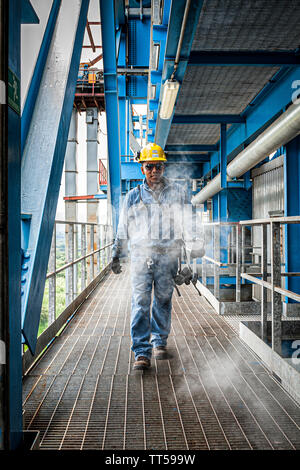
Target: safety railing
[(229, 251), (241, 259), (274, 286), (79, 257)]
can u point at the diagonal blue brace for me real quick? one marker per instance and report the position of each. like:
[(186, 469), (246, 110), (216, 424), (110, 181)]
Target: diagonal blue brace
[(107, 10), (43, 157), (38, 73)]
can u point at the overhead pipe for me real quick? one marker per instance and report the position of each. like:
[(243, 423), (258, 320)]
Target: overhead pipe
[(281, 131), (180, 41)]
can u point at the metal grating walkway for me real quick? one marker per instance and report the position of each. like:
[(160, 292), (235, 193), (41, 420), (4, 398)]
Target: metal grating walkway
[(212, 394)]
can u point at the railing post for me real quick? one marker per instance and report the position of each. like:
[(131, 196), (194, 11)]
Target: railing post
[(276, 282), (75, 266), (105, 242), (83, 252), (243, 253), (70, 271), (102, 244), (98, 247), (238, 264), (264, 272), (216, 258), (52, 280), (92, 256), (204, 280)]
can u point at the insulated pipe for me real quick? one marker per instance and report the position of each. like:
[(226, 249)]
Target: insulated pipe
[(281, 131)]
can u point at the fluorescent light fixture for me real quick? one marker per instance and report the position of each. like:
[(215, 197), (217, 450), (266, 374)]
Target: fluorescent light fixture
[(153, 92), (170, 90), (155, 56)]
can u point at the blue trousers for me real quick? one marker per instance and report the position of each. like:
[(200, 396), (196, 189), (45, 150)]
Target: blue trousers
[(151, 327)]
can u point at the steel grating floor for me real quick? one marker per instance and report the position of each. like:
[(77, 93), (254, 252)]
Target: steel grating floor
[(212, 394)]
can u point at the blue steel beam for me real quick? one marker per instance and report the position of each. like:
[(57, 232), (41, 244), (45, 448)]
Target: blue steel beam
[(186, 158), (223, 156), (28, 14), (38, 73), (241, 58), (191, 148), (13, 365), (207, 118), (43, 157), (292, 208), (108, 29), (174, 28)]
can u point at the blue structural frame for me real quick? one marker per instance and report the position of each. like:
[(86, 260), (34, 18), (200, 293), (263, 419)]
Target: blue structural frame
[(38, 73), (37, 232), (14, 359), (174, 28), (108, 28), (292, 208)]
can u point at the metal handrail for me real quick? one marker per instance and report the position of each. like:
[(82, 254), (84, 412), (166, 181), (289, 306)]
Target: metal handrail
[(68, 265)]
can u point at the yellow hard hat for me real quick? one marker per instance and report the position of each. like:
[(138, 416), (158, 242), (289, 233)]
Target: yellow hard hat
[(152, 153)]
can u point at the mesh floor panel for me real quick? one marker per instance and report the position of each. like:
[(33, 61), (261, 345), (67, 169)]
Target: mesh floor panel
[(213, 392)]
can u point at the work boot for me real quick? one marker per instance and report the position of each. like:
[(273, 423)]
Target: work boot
[(141, 363), (160, 353)]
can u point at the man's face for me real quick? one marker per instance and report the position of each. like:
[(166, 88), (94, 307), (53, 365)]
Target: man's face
[(153, 171)]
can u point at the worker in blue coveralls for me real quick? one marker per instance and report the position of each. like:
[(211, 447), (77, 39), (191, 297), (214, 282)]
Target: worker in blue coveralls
[(153, 220)]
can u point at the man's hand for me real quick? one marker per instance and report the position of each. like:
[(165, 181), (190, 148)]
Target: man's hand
[(197, 250), (116, 267)]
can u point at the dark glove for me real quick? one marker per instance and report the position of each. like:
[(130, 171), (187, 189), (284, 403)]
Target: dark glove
[(115, 266), (197, 250)]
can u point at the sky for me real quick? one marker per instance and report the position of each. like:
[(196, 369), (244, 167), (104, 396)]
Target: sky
[(31, 38)]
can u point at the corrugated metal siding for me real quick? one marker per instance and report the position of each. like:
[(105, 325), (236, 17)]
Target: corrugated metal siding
[(268, 195)]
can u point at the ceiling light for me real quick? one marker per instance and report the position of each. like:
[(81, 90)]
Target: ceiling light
[(170, 90)]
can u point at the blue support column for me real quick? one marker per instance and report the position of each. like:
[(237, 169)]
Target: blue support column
[(223, 156), (111, 105), (292, 208), (13, 345), (43, 156)]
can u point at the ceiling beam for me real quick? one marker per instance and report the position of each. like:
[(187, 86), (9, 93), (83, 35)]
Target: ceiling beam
[(207, 118), (191, 148), (241, 58)]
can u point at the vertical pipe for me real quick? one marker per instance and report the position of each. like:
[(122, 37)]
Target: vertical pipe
[(264, 272), (276, 281), (52, 280)]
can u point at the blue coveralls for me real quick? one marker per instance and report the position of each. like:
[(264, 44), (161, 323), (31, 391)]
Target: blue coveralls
[(154, 227)]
